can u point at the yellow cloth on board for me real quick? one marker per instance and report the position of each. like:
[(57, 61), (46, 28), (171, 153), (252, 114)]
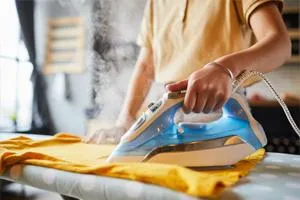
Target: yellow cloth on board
[(67, 152)]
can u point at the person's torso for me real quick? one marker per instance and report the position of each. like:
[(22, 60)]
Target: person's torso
[(187, 34)]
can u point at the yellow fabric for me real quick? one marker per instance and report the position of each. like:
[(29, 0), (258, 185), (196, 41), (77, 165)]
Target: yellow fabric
[(187, 34), (67, 152)]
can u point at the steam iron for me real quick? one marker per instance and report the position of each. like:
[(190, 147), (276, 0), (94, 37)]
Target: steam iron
[(155, 137)]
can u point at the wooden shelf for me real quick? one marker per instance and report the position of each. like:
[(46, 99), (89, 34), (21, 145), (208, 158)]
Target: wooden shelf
[(291, 13), (65, 46), (68, 68), (294, 33), (270, 104), (294, 59), (290, 100), (291, 9), (66, 20)]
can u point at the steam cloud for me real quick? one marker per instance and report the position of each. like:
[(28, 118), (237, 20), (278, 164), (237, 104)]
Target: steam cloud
[(111, 51), (116, 24)]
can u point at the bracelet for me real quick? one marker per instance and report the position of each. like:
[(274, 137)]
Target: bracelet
[(227, 70)]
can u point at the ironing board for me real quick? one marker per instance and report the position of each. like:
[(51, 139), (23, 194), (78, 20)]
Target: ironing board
[(277, 177)]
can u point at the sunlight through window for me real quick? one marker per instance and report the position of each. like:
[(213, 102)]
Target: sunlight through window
[(15, 72)]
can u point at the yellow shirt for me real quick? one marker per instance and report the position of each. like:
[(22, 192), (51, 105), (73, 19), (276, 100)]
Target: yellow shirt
[(67, 152), (187, 34)]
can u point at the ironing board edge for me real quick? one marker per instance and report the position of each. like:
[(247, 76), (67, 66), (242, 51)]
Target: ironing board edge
[(103, 186)]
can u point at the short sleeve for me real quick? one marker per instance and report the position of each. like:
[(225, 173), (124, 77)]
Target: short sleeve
[(246, 7), (146, 31)]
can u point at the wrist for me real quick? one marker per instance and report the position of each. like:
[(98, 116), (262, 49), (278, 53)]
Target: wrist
[(229, 65), (225, 69)]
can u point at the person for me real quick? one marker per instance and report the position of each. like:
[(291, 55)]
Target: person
[(197, 46)]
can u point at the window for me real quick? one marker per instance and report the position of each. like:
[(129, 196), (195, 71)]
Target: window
[(15, 71)]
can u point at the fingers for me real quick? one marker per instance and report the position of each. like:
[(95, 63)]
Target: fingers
[(221, 100), (210, 104), (88, 138), (211, 99), (189, 100), (178, 86), (200, 102), (201, 98), (94, 137), (85, 138), (101, 137), (105, 136)]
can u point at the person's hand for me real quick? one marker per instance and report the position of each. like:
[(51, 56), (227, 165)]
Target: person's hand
[(206, 89), (111, 135), (105, 136)]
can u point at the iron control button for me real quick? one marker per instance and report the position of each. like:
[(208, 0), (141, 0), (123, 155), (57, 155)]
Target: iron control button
[(140, 121), (150, 104), (154, 107)]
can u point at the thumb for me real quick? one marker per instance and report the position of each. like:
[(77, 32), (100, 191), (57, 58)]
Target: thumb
[(178, 86)]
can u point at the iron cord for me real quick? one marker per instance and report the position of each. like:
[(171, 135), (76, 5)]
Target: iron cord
[(247, 75)]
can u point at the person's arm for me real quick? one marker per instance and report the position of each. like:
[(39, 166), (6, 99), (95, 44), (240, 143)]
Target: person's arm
[(138, 89), (272, 49), (210, 87)]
